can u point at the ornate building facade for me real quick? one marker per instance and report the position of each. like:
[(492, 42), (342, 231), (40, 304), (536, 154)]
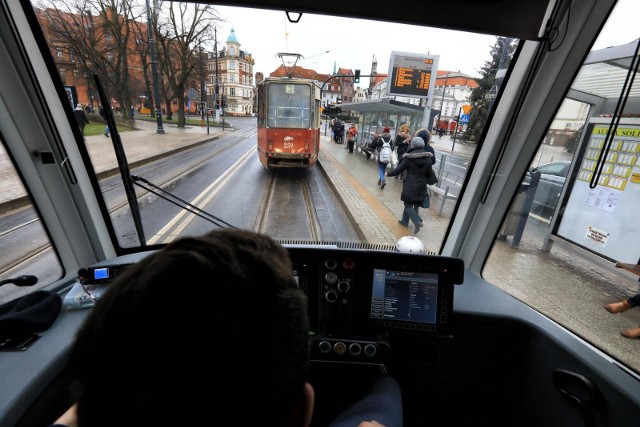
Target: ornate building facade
[(233, 68)]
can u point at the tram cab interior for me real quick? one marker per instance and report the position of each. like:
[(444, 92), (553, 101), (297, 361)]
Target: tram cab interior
[(478, 356)]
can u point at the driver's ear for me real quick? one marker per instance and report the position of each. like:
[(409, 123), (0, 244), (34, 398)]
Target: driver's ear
[(303, 408)]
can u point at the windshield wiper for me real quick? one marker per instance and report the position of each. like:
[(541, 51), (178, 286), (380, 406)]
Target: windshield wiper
[(123, 165), (129, 180), (164, 194)]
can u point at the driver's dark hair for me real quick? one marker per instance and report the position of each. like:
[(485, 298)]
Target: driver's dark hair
[(207, 330)]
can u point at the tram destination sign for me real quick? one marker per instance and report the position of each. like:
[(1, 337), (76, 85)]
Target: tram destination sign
[(412, 74)]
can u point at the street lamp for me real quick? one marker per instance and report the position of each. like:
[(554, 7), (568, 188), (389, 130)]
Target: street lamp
[(154, 68)]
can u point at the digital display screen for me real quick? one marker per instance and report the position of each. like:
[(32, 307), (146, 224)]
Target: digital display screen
[(412, 74), (100, 273), (410, 81), (404, 296)]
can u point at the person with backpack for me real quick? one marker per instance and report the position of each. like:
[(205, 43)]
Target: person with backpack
[(384, 145), (417, 163)]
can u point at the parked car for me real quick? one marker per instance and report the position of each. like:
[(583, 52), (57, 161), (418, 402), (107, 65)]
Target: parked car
[(552, 178)]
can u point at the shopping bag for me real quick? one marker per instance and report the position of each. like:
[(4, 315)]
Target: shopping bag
[(426, 202)]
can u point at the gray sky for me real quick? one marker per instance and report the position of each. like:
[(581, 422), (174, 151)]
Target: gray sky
[(349, 43), (352, 43)]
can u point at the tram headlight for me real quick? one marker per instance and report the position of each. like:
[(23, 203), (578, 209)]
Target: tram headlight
[(270, 145)]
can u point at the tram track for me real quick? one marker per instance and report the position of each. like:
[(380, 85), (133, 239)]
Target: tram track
[(148, 170), (286, 187), (166, 181)]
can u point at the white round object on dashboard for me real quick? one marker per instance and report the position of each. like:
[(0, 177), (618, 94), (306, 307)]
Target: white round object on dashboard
[(410, 244)]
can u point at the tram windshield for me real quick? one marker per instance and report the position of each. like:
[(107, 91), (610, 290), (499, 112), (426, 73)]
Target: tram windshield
[(289, 105), (152, 120)]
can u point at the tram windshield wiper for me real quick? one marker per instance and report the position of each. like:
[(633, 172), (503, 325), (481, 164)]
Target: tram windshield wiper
[(164, 194), (123, 165)]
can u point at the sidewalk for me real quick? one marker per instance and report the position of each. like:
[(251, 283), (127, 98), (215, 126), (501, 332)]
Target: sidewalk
[(140, 146)]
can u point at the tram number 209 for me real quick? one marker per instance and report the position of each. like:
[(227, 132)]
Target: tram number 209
[(287, 145)]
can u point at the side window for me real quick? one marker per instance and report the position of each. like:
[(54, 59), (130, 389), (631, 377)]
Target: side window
[(569, 243), (26, 249)]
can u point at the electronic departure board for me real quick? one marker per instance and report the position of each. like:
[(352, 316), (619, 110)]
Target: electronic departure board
[(412, 74)]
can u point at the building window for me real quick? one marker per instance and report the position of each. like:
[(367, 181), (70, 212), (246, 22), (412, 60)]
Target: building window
[(232, 65), (59, 52), (63, 75), (232, 91), (110, 56)]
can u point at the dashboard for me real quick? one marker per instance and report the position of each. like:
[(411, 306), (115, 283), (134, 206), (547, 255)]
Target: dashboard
[(358, 298)]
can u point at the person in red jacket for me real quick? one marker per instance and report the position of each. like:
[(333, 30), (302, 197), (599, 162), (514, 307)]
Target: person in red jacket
[(352, 136)]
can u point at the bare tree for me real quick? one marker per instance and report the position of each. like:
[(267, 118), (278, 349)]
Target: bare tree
[(141, 44), (99, 36), (184, 27)]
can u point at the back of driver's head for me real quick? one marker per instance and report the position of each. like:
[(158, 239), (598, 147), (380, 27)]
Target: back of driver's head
[(199, 328)]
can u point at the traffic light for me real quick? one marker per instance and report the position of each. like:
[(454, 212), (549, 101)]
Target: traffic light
[(357, 77)]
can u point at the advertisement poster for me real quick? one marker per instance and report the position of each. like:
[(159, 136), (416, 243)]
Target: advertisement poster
[(605, 218)]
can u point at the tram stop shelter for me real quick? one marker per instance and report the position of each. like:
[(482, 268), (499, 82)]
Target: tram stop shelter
[(602, 195), (375, 114)]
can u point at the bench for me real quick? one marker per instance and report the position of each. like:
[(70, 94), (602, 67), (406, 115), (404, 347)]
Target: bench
[(444, 193)]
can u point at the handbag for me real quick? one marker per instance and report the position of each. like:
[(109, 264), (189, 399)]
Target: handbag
[(432, 178), (426, 202)]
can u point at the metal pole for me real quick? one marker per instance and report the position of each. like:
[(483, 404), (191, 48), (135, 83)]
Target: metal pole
[(203, 89), (442, 102), (154, 68), (216, 94), (205, 106), (222, 105), (456, 131)]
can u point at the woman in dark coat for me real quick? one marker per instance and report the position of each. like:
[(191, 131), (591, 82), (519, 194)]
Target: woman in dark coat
[(402, 143), (417, 163)]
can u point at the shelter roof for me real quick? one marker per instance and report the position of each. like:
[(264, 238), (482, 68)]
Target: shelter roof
[(382, 105)]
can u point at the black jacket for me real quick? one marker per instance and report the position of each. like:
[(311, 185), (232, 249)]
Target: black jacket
[(417, 163), (81, 118), (401, 146)]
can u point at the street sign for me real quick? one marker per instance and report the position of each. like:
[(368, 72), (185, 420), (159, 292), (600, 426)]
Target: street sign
[(464, 118), (192, 93)]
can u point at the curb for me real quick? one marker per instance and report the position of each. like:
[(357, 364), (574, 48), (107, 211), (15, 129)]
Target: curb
[(115, 171)]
